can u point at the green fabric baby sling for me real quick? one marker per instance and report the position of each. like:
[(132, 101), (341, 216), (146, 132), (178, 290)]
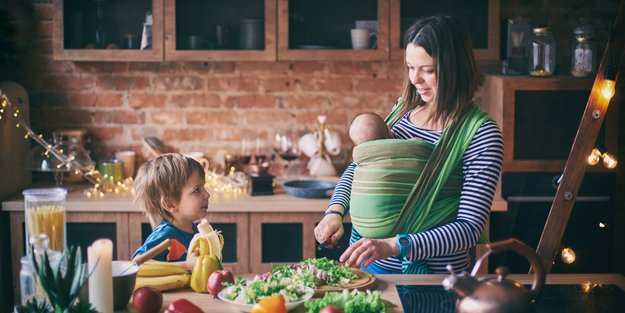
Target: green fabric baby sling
[(410, 186)]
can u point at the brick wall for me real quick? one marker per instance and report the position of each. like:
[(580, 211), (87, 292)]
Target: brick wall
[(195, 106)]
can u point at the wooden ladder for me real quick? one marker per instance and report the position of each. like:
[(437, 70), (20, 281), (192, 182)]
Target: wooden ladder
[(585, 138)]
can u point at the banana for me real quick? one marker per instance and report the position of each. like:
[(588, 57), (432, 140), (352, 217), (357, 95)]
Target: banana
[(157, 268), (208, 241), (163, 282)]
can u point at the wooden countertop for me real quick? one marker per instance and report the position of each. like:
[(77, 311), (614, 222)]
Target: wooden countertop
[(219, 202), (387, 283)]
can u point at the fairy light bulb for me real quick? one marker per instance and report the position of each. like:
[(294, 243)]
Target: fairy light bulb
[(609, 76), (594, 157), (609, 161), (568, 255)]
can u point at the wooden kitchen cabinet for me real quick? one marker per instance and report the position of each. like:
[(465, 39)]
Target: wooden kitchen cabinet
[(236, 30), (320, 30), (481, 17), (76, 21)]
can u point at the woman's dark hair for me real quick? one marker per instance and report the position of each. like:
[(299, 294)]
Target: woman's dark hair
[(446, 40)]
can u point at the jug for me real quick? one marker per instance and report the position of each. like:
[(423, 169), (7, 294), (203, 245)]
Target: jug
[(497, 294)]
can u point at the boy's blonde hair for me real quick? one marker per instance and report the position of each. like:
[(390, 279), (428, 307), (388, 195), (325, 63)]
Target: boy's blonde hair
[(162, 179)]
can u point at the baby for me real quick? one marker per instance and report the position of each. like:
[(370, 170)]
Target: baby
[(367, 127), (170, 190)]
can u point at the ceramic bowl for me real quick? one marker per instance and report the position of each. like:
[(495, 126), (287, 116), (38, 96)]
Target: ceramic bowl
[(123, 284)]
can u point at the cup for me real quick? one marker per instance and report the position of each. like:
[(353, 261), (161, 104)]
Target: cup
[(194, 42), (361, 38), (252, 35), (199, 156), (131, 41), (128, 160), (222, 36)]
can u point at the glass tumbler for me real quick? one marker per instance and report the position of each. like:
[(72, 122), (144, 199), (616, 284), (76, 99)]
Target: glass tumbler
[(543, 53), (44, 213)]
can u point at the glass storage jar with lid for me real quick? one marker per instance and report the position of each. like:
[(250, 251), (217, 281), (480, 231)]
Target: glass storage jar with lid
[(543, 53), (583, 60), (30, 288), (44, 213)]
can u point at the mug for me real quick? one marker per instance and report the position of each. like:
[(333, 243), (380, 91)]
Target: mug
[(361, 38), (199, 156), (195, 42)]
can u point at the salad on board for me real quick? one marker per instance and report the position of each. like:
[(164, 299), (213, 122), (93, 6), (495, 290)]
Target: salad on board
[(293, 281)]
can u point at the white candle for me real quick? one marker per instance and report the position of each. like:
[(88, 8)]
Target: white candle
[(100, 260)]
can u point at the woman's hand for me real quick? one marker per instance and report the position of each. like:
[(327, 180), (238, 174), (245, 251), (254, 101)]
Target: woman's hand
[(369, 250), (330, 229)]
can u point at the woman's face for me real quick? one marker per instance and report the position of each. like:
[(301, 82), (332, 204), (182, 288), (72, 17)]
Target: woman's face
[(422, 72)]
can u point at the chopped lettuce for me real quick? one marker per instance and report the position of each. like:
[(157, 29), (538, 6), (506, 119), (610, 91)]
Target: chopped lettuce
[(351, 302)]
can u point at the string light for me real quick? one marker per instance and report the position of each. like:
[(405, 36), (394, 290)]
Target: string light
[(100, 184), (609, 76), (568, 256), (601, 154)]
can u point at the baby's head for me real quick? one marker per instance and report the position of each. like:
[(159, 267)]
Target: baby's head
[(162, 180), (368, 126)]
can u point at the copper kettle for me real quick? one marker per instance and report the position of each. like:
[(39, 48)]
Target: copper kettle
[(497, 294)]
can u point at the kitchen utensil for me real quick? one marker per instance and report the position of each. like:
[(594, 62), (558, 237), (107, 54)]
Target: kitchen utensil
[(497, 294), (363, 281), (142, 258)]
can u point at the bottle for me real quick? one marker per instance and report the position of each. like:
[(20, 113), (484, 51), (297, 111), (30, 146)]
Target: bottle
[(100, 32), (583, 61), (30, 288), (542, 61)]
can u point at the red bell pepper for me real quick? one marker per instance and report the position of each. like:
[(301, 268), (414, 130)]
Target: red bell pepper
[(183, 306)]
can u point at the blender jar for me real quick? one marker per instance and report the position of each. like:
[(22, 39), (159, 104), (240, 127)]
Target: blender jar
[(44, 213)]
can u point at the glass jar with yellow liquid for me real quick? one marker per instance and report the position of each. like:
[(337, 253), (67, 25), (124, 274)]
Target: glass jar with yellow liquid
[(543, 53)]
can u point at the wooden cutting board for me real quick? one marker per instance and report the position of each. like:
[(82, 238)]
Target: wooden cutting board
[(363, 282)]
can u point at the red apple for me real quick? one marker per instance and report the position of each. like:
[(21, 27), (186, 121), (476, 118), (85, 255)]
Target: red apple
[(331, 309), (147, 300), (216, 280)]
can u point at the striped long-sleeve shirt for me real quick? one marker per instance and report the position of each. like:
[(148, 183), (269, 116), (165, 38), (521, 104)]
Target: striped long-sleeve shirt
[(448, 243)]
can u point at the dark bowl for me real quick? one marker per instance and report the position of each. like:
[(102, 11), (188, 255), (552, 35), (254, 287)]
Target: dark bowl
[(312, 189), (123, 284)]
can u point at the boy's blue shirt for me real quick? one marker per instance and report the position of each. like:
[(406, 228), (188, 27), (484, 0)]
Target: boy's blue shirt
[(179, 239)]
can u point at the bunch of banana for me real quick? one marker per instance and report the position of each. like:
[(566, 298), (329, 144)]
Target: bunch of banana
[(207, 244), (162, 275)]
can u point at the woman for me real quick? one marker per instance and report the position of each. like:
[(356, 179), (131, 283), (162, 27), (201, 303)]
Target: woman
[(442, 77)]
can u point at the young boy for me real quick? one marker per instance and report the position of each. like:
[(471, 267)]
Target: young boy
[(170, 190), (368, 126)]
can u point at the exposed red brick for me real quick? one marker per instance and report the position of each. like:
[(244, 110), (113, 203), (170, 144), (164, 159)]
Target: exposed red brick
[(251, 101), (264, 117), (138, 101), (304, 101), (45, 12), (195, 100), (45, 29), (66, 82), (211, 118), (379, 85), (233, 84), (327, 84), (102, 67), (223, 67), (104, 134), (70, 117), (118, 117), (264, 68), (116, 82), (350, 68), (278, 84), (167, 117), (168, 83), (100, 99), (308, 68), (177, 134)]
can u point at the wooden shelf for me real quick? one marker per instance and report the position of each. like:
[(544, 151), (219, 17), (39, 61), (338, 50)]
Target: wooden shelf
[(173, 44), (63, 50), (288, 46), (483, 25)]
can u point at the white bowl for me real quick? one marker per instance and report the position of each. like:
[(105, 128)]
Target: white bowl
[(243, 307)]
